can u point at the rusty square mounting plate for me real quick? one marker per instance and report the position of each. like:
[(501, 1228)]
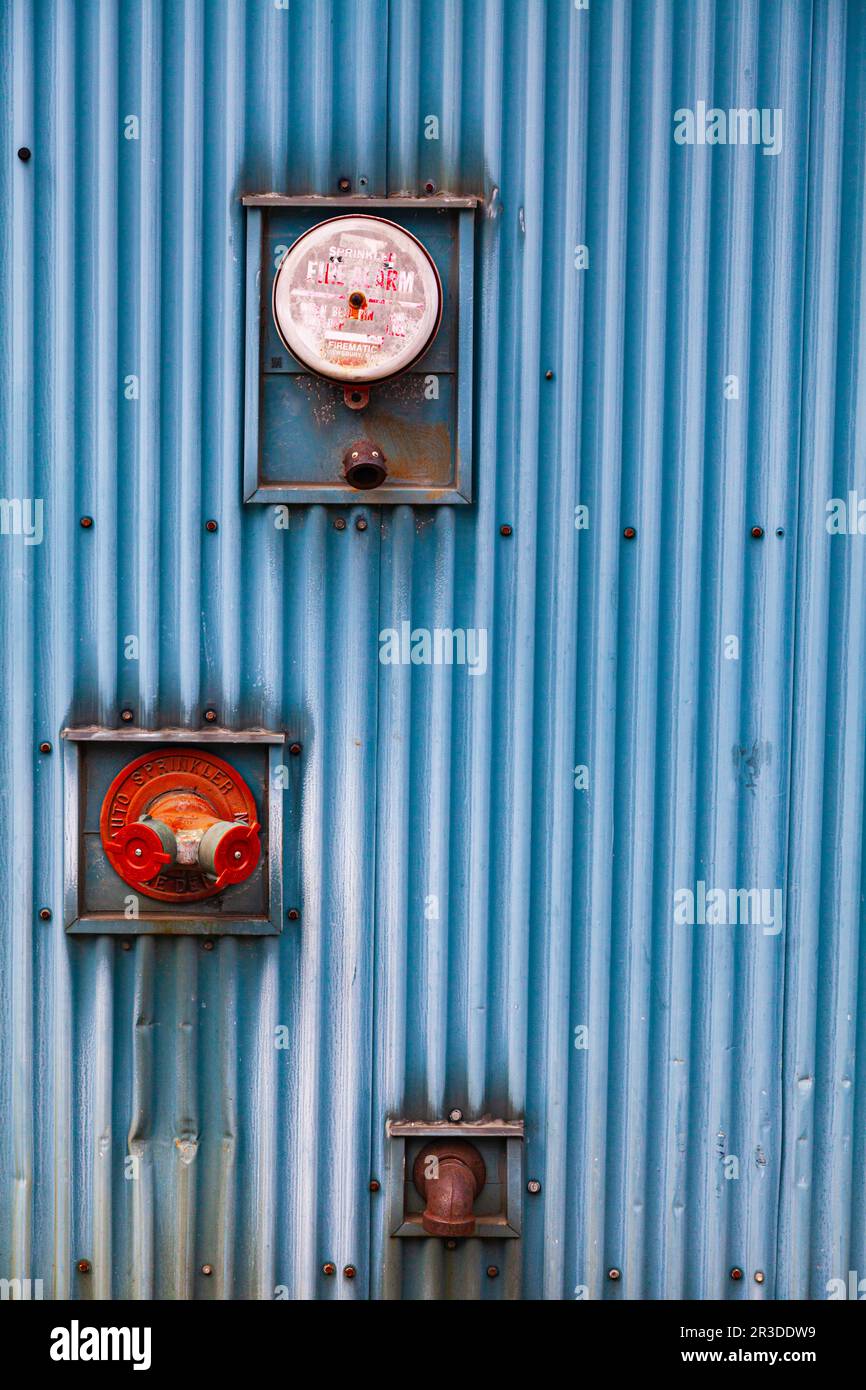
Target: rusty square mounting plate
[(298, 427), (499, 1205), (97, 900)]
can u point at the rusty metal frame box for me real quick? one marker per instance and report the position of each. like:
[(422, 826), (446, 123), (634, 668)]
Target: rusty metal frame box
[(94, 895), (498, 1212), (297, 426)]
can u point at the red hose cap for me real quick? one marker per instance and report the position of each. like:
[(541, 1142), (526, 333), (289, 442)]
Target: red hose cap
[(137, 849), (237, 854)]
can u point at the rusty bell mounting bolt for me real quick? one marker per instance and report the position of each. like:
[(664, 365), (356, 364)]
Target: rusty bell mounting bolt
[(364, 465), (449, 1176)]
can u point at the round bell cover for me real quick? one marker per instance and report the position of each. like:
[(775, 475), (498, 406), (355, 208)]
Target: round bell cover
[(357, 299)]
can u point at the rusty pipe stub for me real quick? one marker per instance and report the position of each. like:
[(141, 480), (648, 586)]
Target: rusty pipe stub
[(449, 1176), (364, 465)]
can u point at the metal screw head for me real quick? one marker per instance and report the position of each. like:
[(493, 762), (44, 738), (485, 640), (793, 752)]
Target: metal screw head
[(207, 945), (736, 1273), (533, 1186), (126, 716), (211, 525), (45, 747), (375, 453), (375, 1184), (506, 530), (548, 375), (24, 154), (86, 522), (239, 854), (340, 524), (429, 186), (455, 1116), (629, 533), (614, 1274), (137, 851), (759, 1276), (329, 1269), (295, 749), (293, 914), (344, 185), (361, 523), (492, 1272), (126, 945), (83, 1266), (350, 1271), (354, 453), (757, 532), (210, 716), (45, 914), (451, 1245), (207, 1269)]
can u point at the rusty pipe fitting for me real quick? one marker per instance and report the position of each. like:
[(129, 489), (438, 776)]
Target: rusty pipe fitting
[(449, 1176), (364, 465)]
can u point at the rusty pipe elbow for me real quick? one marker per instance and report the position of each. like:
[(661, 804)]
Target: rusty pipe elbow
[(364, 465), (449, 1176)]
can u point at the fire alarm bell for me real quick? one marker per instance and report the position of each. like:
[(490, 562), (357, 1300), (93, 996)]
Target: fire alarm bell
[(357, 299), (358, 349)]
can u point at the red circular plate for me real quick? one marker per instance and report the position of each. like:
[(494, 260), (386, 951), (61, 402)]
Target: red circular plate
[(166, 770)]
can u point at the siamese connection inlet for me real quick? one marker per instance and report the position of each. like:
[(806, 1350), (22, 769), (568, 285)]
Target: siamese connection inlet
[(180, 828), (449, 1175)]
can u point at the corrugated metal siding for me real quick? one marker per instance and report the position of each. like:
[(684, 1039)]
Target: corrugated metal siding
[(555, 906)]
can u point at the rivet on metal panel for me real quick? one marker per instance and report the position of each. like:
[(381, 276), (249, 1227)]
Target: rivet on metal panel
[(207, 945), (429, 186), (361, 523), (506, 530), (45, 747), (83, 1266), (329, 1269), (210, 716), (340, 523), (736, 1273), (492, 1272), (533, 1186), (759, 1276), (375, 1184), (295, 749), (614, 1274), (350, 1271), (450, 1244), (45, 914), (757, 532), (548, 375), (211, 525), (24, 154), (126, 716), (629, 533), (126, 945), (293, 914), (86, 522), (455, 1116), (344, 185), (207, 1269)]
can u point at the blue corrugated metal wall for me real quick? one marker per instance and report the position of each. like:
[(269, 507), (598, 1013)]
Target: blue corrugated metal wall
[(428, 791)]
